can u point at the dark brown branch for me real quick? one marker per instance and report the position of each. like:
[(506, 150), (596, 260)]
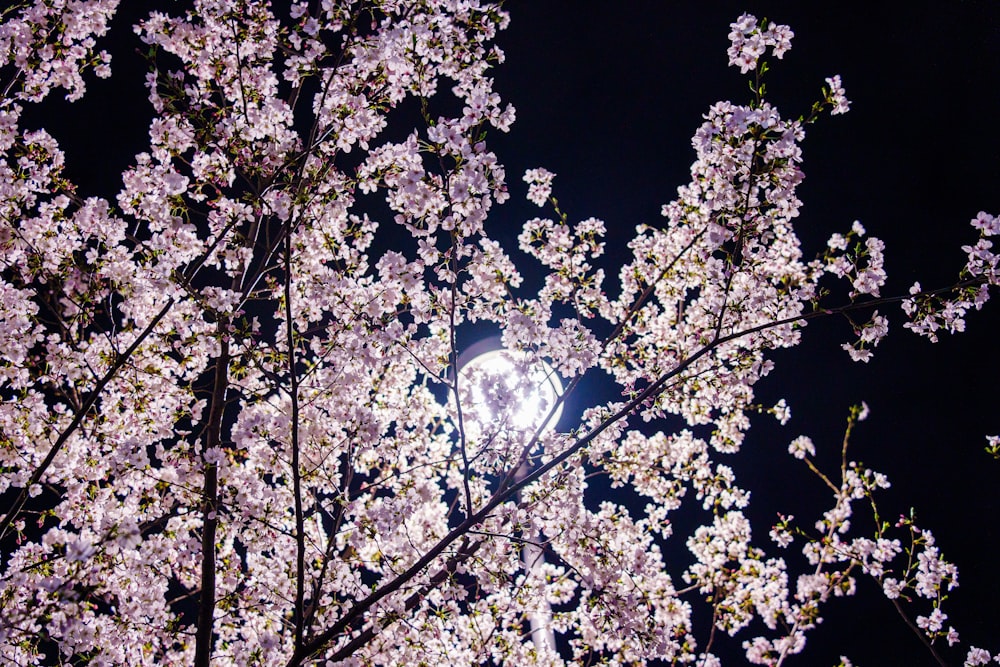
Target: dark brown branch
[(210, 506), (293, 391), (920, 635)]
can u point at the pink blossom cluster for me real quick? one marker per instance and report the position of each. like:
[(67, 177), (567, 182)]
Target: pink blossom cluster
[(979, 656), (750, 40), (905, 570), (539, 185), (863, 264), (51, 44), (945, 310), (836, 96)]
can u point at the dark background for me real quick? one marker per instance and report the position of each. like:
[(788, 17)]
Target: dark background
[(608, 95)]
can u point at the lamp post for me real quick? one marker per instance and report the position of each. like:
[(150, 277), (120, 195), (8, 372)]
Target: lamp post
[(532, 391)]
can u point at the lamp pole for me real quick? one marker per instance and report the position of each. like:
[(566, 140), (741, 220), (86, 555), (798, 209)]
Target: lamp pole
[(526, 414), (533, 560)]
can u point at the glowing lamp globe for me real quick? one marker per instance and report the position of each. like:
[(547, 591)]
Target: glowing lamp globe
[(505, 389)]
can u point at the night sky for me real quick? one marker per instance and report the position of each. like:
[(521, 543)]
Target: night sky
[(608, 96)]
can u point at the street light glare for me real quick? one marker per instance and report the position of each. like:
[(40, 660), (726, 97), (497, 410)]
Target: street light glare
[(504, 386)]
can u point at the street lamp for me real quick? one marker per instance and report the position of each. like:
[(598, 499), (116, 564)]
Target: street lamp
[(529, 389)]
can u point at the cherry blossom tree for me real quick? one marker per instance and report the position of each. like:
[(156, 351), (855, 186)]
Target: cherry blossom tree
[(233, 427)]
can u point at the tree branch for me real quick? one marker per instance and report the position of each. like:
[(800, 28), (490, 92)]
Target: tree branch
[(210, 505)]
